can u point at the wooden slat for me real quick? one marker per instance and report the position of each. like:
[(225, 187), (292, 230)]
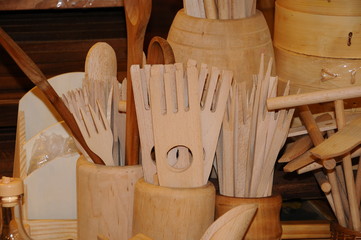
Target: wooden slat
[(51, 4), (306, 230)]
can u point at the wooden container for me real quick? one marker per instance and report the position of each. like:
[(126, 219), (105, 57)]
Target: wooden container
[(267, 7), (172, 213), (266, 224), (105, 200), (318, 56), (235, 44)]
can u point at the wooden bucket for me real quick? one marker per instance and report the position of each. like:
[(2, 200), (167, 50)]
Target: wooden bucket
[(172, 213), (235, 44), (318, 56), (105, 200), (266, 224), (267, 7)]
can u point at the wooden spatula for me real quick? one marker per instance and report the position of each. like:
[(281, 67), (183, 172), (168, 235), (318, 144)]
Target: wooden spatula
[(39, 79), (341, 142), (176, 124)]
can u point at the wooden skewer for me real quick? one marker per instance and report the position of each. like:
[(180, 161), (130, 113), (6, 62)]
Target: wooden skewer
[(223, 9), (317, 138), (347, 166)]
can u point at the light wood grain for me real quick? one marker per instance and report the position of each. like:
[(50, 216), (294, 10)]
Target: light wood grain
[(232, 225), (105, 200), (296, 149), (174, 119), (164, 213), (211, 9)]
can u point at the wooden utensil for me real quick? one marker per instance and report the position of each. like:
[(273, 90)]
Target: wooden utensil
[(232, 225), (140, 82), (137, 14), (212, 112), (343, 141), (317, 138), (176, 124), (160, 52), (297, 148), (39, 79), (97, 133)]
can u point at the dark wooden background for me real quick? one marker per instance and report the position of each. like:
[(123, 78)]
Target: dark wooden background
[(58, 40)]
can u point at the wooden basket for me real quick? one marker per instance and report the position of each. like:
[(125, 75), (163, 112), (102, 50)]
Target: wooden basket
[(340, 233)]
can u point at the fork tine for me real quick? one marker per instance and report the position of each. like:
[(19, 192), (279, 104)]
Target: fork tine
[(103, 118), (156, 89), (191, 80), (224, 87), (210, 94), (170, 93), (203, 75), (179, 75)]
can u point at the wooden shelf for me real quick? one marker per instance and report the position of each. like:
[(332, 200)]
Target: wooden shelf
[(57, 4)]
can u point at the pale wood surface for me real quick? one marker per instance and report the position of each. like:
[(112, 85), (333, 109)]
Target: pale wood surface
[(348, 172), (137, 14), (140, 237), (105, 200), (296, 149), (313, 97), (317, 138), (140, 81), (345, 140), (294, 28), (47, 229), (170, 119), (232, 225), (204, 40), (54, 4), (173, 213), (211, 9), (212, 114)]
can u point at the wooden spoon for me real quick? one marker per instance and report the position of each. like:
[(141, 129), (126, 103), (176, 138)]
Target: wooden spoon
[(137, 13), (160, 52), (39, 79)]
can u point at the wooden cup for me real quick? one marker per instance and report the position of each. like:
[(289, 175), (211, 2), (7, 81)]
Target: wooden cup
[(266, 224), (172, 213), (105, 200)]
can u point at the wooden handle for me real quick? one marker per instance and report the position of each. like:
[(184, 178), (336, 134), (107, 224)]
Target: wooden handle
[(38, 78), (137, 13), (313, 97), (160, 52)]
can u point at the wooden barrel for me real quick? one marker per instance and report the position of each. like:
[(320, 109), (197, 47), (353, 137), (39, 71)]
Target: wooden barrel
[(318, 43), (235, 44), (266, 224), (164, 213)]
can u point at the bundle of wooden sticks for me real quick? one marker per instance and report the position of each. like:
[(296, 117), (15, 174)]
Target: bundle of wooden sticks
[(220, 9), (251, 138)]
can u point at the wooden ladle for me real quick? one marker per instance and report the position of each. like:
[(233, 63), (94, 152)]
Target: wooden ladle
[(38, 78)]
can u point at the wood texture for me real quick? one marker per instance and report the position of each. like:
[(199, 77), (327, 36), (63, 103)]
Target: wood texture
[(137, 16), (294, 28), (54, 4), (160, 52), (233, 224), (266, 223), (156, 208), (345, 140), (204, 40), (172, 116), (105, 200)]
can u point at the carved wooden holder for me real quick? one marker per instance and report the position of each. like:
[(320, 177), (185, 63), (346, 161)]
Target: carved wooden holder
[(266, 224), (105, 198), (172, 213)]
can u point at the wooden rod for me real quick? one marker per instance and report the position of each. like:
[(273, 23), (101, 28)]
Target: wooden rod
[(348, 172), (313, 97), (317, 138)]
